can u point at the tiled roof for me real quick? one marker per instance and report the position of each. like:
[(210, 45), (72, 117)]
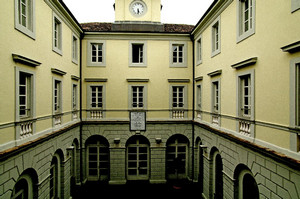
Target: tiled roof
[(107, 27)]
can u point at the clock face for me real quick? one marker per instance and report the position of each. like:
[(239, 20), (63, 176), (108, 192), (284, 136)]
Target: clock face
[(138, 8)]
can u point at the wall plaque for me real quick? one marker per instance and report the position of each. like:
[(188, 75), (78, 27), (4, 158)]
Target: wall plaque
[(137, 121)]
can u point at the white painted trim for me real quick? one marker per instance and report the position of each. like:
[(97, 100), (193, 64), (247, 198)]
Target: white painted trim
[(89, 53), (184, 64), (144, 63), (240, 34), (31, 32)]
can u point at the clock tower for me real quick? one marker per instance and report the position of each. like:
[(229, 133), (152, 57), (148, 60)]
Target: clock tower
[(138, 11)]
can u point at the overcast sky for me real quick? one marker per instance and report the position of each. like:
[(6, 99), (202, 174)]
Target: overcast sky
[(174, 11)]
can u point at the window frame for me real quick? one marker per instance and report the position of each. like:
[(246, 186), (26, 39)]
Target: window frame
[(294, 137), (216, 37), (130, 100), (59, 96), (31, 104), (30, 28), (89, 96), (75, 49), (241, 33), (216, 100), (90, 43), (184, 54), (139, 64), (199, 97), (240, 95), (74, 97), (295, 5), (57, 35), (185, 99), (199, 48)]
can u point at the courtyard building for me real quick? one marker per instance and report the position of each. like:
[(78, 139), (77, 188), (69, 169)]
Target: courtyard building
[(215, 106)]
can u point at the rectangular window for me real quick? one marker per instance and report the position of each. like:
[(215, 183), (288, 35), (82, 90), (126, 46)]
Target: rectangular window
[(137, 53), (97, 97), (74, 49), (57, 96), (178, 97), (245, 95), (97, 53), (215, 37), (199, 51), (246, 18), (199, 97), (25, 95), (216, 96), (57, 34), (177, 53), (74, 97), (24, 17), (137, 97)]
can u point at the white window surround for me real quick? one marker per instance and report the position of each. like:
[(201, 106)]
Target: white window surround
[(29, 27), (216, 96), (295, 4), (239, 94), (241, 33), (185, 100), (75, 49), (199, 96), (130, 96), (142, 63), (31, 90), (57, 34), (90, 43), (184, 56), (294, 137), (74, 96), (89, 101), (199, 48), (57, 96), (216, 37)]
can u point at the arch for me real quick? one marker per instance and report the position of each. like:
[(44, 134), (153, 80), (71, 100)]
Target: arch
[(245, 178), (217, 173), (26, 185), (142, 139), (55, 174), (137, 158), (95, 138), (97, 158), (177, 148)]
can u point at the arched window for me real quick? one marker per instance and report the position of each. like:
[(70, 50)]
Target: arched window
[(138, 158), (217, 174), (176, 157), (248, 188), (21, 189), (26, 185), (55, 177), (98, 159)]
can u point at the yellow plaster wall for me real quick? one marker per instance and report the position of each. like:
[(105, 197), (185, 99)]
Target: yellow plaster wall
[(117, 71), (272, 73), (38, 49)]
